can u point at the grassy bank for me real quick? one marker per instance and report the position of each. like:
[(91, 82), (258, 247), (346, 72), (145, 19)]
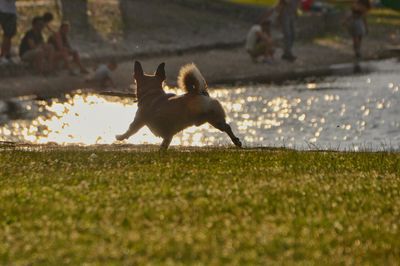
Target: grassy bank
[(206, 207)]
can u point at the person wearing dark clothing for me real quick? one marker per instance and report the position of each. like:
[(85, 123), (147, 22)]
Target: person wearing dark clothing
[(47, 19), (30, 40), (8, 22), (33, 49), (288, 13), (63, 49)]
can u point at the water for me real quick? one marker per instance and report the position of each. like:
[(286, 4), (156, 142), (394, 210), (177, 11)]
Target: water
[(359, 112)]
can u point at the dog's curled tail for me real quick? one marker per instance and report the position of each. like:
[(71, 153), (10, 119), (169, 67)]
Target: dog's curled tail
[(191, 80)]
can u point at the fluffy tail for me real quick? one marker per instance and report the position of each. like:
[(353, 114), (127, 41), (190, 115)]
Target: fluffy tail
[(191, 80)]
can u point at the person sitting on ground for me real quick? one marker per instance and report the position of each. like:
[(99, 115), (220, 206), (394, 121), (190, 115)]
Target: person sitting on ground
[(102, 77), (8, 21), (47, 19), (357, 24), (34, 51), (64, 50), (259, 42)]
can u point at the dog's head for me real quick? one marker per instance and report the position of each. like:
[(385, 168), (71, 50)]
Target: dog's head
[(149, 83)]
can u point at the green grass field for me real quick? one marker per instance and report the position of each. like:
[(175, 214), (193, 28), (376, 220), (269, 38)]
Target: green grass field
[(203, 207)]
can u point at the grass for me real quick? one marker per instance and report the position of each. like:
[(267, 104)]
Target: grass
[(256, 2), (384, 17), (203, 207)]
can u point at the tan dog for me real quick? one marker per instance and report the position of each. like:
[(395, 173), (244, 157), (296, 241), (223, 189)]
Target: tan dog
[(167, 114)]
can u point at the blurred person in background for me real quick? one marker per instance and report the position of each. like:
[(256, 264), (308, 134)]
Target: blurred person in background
[(48, 18), (259, 42), (33, 49), (357, 25), (63, 49), (102, 77), (8, 22), (287, 10)]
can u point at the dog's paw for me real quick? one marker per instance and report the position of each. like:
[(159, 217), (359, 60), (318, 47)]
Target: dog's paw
[(237, 142), (119, 137)]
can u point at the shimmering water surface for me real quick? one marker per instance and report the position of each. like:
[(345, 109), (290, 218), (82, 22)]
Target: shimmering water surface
[(359, 112)]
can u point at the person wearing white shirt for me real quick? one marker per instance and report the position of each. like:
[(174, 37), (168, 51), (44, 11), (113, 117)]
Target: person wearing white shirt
[(102, 77), (8, 22), (259, 42)]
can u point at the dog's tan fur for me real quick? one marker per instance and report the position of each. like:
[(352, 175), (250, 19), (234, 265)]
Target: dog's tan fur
[(167, 114)]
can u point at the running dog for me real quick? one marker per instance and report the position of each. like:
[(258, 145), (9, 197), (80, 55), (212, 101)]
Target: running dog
[(167, 114)]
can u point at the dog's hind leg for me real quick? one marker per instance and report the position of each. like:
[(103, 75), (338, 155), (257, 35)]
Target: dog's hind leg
[(133, 128), (165, 144), (225, 127)]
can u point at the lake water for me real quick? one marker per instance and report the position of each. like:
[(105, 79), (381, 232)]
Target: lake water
[(353, 113)]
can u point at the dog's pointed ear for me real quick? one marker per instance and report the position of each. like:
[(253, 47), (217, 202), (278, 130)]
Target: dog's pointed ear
[(160, 73), (138, 70)]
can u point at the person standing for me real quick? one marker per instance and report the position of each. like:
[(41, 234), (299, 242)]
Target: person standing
[(287, 10), (357, 24), (8, 22)]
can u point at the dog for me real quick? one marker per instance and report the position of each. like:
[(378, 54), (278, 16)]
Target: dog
[(167, 114)]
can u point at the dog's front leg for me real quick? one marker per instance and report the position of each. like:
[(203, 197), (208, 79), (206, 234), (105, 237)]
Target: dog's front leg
[(133, 128), (224, 127)]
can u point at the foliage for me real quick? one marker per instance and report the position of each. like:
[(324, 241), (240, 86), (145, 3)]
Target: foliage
[(385, 17), (218, 206)]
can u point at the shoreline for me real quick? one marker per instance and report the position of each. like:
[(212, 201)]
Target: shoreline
[(225, 65), (214, 41)]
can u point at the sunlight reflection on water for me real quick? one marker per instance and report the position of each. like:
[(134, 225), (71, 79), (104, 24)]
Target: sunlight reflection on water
[(345, 113)]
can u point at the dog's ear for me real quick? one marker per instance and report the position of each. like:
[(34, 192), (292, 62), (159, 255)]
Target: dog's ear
[(160, 73), (138, 70)]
